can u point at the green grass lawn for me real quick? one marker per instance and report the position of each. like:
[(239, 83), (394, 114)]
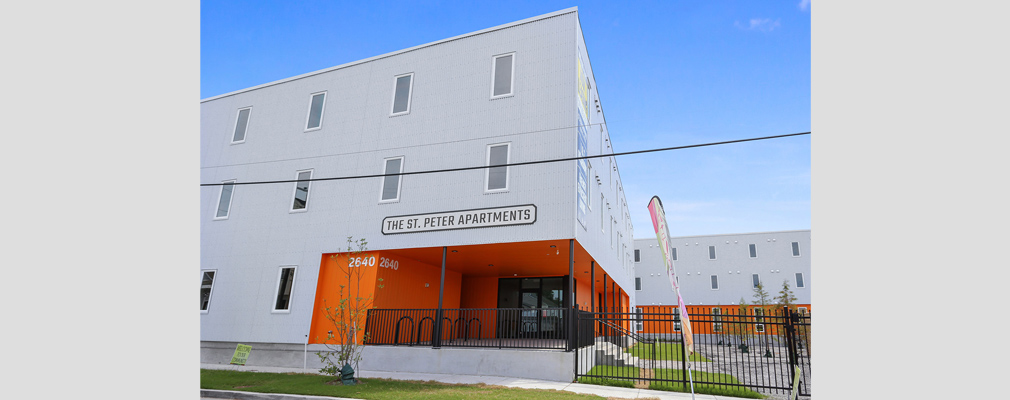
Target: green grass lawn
[(664, 351), (701, 388), (316, 385), (630, 373)]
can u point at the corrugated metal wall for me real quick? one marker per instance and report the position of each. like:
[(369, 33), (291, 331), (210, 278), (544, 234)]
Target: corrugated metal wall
[(733, 266)]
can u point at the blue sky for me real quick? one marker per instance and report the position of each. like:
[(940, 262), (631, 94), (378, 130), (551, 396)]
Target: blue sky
[(669, 74)]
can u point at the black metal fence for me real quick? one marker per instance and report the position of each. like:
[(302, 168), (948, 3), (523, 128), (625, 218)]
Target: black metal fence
[(736, 351), (540, 328)]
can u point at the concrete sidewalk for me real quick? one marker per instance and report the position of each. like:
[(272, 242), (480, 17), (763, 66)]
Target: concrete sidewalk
[(605, 391)]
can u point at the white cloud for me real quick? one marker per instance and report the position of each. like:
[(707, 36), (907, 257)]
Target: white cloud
[(759, 24), (804, 5)]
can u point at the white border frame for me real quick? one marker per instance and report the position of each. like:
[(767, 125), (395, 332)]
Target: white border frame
[(487, 171), (716, 282), (712, 251), (639, 284), (752, 280), (322, 112), (716, 323), (399, 181), (213, 282), (410, 95), (805, 313), (755, 250), (798, 250), (673, 253), (759, 320), (277, 289), (512, 78), (235, 125), (638, 257), (231, 199), (796, 284), (294, 192)]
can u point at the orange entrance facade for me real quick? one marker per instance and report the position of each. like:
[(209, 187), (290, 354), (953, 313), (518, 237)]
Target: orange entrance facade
[(533, 276)]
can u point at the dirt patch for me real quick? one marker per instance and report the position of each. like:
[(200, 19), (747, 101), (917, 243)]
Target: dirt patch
[(644, 373)]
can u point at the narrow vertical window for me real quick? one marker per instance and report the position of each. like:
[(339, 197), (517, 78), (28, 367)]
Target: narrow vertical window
[(301, 196), (799, 279), (285, 282), (603, 215), (391, 183), (206, 288), (401, 94), (753, 251), (241, 124), (711, 252), (639, 323), (638, 283), (497, 177), (715, 282), (756, 279), (796, 249), (638, 255), (317, 102), (589, 186), (674, 251), (759, 313), (502, 75), (716, 318), (224, 200)]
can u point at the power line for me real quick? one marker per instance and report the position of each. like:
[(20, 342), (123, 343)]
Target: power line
[(509, 165)]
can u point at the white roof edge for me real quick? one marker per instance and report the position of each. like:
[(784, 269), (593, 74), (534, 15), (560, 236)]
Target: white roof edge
[(494, 28), (731, 234)]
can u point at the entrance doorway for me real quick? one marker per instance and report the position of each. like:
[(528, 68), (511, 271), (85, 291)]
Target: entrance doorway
[(536, 307)]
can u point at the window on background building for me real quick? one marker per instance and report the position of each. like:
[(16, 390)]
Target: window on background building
[(753, 251), (802, 311), (301, 197), (317, 102), (756, 279), (639, 324), (241, 125), (391, 183), (796, 249), (759, 313), (673, 251), (638, 255), (589, 185), (497, 177), (715, 282), (603, 215), (638, 283), (503, 76), (402, 89), (716, 318), (285, 282), (206, 288), (224, 200), (711, 252), (799, 279)]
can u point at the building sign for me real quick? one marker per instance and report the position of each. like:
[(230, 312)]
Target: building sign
[(241, 354), (582, 194), (464, 219)]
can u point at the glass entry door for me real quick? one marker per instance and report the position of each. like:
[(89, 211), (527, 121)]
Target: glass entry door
[(538, 300)]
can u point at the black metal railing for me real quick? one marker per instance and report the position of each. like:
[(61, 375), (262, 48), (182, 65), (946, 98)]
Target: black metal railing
[(734, 350), (522, 328)]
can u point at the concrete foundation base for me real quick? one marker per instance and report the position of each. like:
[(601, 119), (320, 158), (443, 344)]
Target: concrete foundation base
[(534, 364)]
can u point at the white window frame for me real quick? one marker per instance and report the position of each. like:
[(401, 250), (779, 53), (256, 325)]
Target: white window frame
[(759, 315), (673, 253), (295, 192), (235, 125), (512, 78), (639, 321), (638, 284), (213, 281), (410, 95), (589, 186), (752, 276), (716, 282), (277, 289), (487, 171), (752, 246), (798, 252), (603, 215), (231, 199), (712, 253), (803, 311), (399, 180), (796, 283), (716, 319), (322, 112), (638, 255)]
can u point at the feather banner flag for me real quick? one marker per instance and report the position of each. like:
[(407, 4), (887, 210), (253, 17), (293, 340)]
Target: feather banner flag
[(663, 235)]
